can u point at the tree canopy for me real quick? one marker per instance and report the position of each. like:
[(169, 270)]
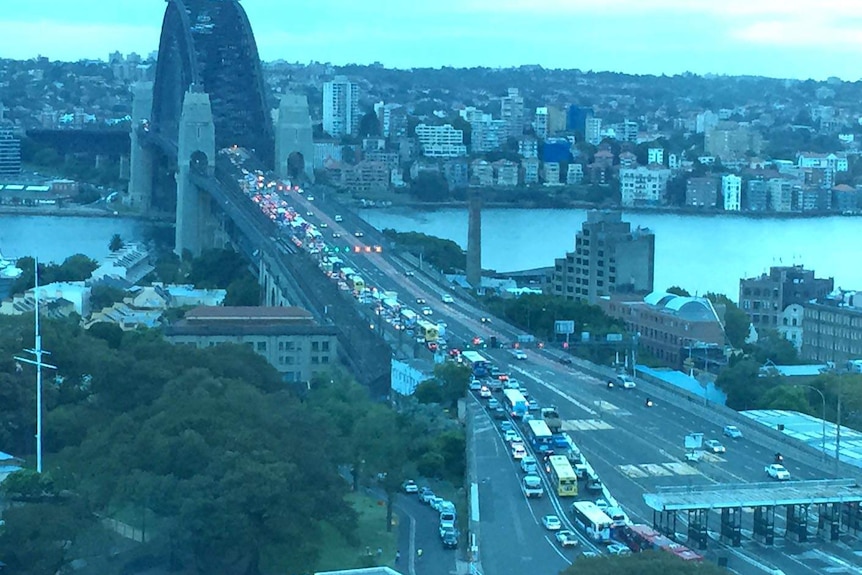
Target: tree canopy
[(646, 563)]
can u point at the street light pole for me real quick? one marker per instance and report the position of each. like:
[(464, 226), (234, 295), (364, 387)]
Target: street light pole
[(823, 399)]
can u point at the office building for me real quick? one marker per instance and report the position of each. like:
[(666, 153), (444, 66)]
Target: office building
[(757, 196), (780, 192), (609, 258), (832, 328), (340, 107), (10, 152), (287, 337), (628, 131), (505, 173), (766, 297), (731, 192)]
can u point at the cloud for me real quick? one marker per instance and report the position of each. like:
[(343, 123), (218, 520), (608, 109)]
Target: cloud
[(809, 33), (63, 41)]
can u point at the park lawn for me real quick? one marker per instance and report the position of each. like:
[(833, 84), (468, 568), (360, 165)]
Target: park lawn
[(338, 553)]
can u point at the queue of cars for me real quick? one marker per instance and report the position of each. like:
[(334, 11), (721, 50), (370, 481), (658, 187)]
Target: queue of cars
[(447, 516)]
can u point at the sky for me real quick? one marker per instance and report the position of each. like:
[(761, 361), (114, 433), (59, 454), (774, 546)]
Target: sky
[(778, 38)]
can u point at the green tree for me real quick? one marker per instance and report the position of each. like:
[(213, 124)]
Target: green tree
[(453, 380), (243, 291), (109, 332), (676, 290), (102, 296), (772, 346), (646, 563), (736, 321), (430, 187), (116, 243), (744, 385), (429, 391), (369, 125)]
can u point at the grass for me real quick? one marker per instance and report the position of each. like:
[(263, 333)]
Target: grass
[(372, 534)]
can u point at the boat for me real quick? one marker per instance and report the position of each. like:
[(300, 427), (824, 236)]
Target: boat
[(8, 274)]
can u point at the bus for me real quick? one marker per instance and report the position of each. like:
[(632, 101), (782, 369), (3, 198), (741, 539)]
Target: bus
[(427, 330), (409, 316), (347, 272), (645, 538), (539, 435), (595, 522), (516, 403), (357, 283), (477, 362), (562, 476)]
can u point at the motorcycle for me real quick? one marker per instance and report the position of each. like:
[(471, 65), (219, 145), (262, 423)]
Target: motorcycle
[(610, 385), (779, 458), (648, 402)]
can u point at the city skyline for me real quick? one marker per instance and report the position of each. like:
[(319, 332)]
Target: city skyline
[(735, 37)]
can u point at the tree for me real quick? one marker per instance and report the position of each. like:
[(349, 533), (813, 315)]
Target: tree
[(429, 391), (102, 296), (744, 385), (676, 290), (243, 291), (116, 243), (772, 346), (452, 379), (646, 563), (430, 187), (369, 125), (736, 321)]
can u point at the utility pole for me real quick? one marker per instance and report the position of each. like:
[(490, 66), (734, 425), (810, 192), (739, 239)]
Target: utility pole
[(838, 432), (38, 352)]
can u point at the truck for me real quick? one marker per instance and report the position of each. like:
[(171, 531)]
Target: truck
[(551, 417)]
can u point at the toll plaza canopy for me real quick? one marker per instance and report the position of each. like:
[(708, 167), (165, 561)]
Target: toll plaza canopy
[(729, 495)]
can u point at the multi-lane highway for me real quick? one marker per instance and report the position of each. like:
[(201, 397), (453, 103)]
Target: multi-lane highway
[(634, 448)]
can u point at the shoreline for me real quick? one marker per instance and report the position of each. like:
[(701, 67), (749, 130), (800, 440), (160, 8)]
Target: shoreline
[(80, 212)]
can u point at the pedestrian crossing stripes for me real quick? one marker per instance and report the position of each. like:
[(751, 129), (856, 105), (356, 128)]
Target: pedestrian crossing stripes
[(658, 470), (585, 425)]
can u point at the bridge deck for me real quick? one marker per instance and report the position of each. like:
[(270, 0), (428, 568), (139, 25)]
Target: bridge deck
[(722, 496)]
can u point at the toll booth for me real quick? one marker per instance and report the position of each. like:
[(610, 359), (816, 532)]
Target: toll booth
[(837, 502)]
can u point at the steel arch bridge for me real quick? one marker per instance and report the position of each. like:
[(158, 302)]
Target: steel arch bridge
[(210, 43)]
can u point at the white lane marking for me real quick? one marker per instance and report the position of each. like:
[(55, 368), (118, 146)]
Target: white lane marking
[(585, 425), (560, 553)]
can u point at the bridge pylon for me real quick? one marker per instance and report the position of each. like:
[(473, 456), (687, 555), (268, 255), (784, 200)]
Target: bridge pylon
[(141, 175), (294, 146), (196, 153)]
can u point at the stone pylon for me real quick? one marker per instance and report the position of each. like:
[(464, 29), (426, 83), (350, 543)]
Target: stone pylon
[(293, 136)]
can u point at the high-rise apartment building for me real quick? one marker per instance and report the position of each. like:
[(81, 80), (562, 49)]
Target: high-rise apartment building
[(593, 130), (609, 258), (512, 113), (731, 192), (541, 123), (340, 107), (10, 152)]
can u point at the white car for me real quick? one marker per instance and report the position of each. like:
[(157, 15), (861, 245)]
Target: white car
[(475, 385), (485, 392), (566, 538), (447, 298), (511, 436), (618, 549), (778, 472), (518, 451), (732, 432), (552, 523), (519, 354), (339, 219), (714, 446), (528, 464), (410, 486), (626, 382), (427, 310), (602, 504)]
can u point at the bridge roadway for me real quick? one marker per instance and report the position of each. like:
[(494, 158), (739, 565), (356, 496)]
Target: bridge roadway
[(633, 448)]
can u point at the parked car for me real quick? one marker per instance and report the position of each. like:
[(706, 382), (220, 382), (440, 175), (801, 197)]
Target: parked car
[(566, 538), (425, 494), (732, 432), (410, 486), (552, 523), (714, 446), (449, 537)]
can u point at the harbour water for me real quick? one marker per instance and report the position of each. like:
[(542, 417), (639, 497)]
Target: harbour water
[(699, 253)]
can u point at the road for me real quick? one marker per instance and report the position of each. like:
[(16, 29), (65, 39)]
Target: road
[(633, 448)]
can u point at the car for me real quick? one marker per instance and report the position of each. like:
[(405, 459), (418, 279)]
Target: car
[(427, 310), (486, 320), (478, 341), (528, 464), (420, 300), (432, 346), (425, 494), (602, 504), (336, 235), (518, 451), (507, 425), (409, 273), (618, 549), (777, 471), (485, 392), (589, 554), (449, 537), (511, 436), (435, 502), (552, 523), (624, 381), (565, 360), (358, 234), (566, 538), (410, 486), (323, 225), (532, 486), (519, 354), (447, 516), (447, 298), (732, 432), (475, 385), (524, 392), (500, 413), (714, 446), (339, 219), (533, 405), (309, 214), (310, 198), (493, 403)]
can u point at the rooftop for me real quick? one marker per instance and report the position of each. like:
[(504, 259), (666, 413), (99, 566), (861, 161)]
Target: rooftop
[(364, 571), (249, 313), (809, 429), (727, 495)]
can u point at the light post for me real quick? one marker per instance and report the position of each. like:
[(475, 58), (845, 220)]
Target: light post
[(823, 398)]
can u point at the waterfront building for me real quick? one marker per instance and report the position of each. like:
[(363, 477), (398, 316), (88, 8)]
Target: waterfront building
[(832, 328), (441, 141), (481, 173), (643, 186), (701, 192), (551, 173), (530, 166), (731, 192), (10, 151), (505, 173), (609, 258)]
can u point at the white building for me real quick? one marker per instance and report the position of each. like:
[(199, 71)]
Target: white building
[(324, 151), (340, 107), (540, 123), (643, 186), (506, 173), (75, 292), (528, 148), (481, 173), (655, 156), (441, 141), (593, 131), (552, 173), (780, 193), (512, 113), (575, 174), (129, 264), (628, 131), (731, 191), (673, 162), (406, 375), (706, 121), (531, 170)]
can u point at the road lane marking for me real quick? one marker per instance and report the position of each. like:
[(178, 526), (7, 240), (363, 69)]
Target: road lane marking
[(554, 546), (681, 468), (585, 425), (656, 469), (633, 471)]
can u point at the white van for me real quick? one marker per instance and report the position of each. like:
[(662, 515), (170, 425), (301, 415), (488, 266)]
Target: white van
[(447, 520)]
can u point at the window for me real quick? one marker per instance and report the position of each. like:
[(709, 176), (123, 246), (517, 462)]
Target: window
[(315, 346), (289, 346), (261, 346), (315, 360), (281, 346), (289, 360), (324, 359), (324, 346)]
